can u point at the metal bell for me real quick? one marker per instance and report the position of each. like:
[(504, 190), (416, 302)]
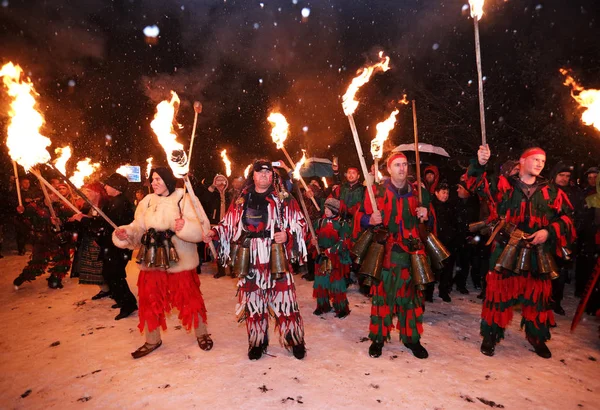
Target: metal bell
[(241, 265), (373, 262), (233, 250), (161, 258), (524, 259), (325, 266), (421, 271), (172, 252), (150, 255), (436, 250), (566, 253), (141, 255), (507, 259), (546, 263), (360, 248), (278, 261), (477, 226)]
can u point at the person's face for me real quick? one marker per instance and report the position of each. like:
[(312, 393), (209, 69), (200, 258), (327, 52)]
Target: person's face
[(54, 182), (398, 170), (429, 177), (562, 178), (25, 183), (263, 179), (139, 196), (462, 192), (352, 175), (533, 164), (442, 195), (591, 178), (111, 191), (64, 191), (314, 185), (158, 185), (93, 196), (328, 213), (237, 183)]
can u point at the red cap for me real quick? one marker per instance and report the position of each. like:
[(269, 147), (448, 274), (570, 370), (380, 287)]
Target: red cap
[(532, 151), (394, 156)]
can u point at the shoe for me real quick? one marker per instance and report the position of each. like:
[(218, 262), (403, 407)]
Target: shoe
[(199, 269), (488, 346), (558, 309), (375, 349), (101, 295), (205, 342), (481, 295), (446, 297), (417, 350), (365, 290), (342, 314), (322, 309), (540, 348), (54, 283), (463, 291), (218, 275), (18, 281), (125, 312), (310, 277), (299, 351), (116, 306), (21, 253), (429, 298), (145, 349), (255, 352)]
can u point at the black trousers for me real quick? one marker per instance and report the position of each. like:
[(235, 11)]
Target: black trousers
[(113, 272), (469, 259), (584, 265), (21, 234)]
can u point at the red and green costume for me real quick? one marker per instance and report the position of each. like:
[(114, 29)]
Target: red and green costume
[(351, 198), (333, 237), (531, 208), (395, 294)]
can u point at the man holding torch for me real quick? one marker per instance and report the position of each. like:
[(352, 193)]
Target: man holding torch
[(399, 212), (265, 224)]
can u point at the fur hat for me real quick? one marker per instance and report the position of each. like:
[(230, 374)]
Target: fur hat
[(117, 181), (167, 176)]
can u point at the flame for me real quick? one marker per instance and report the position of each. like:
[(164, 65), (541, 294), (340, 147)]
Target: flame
[(379, 175), (25, 144), (349, 104), (148, 167), (123, 170), (476, 8), (403, 100), (247, 170), (325, 182), (85, 168), (299, 165), (280, 128), (588, 99), (64, 154), (383, 130), (226, 162), (162, 125)]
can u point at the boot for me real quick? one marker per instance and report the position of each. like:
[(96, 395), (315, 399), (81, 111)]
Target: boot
[(54, 282), (126, 311), (375, 349), (322, 309), (488, 346), (558, 309), (256, 352), (343, 313), (18, 281), (299, 351), (540, 348), (445, 297), (417, 350)]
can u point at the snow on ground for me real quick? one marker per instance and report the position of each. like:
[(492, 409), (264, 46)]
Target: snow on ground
[(66, 350)]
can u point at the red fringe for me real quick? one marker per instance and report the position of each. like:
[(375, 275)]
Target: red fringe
[(159, 292)]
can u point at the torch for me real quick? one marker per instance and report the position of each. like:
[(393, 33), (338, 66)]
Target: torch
[(227, 163), (476, 14), (279, 134), (17, 182), (589, 99), (296, 175), (148, 169), (383, 130), (349, 104)]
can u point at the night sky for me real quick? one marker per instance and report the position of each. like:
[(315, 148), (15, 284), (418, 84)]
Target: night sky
[(98, 77)]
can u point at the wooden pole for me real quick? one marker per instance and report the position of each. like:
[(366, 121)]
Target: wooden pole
[(417, 159), (311, 228), (376, 170), (50, 207), (293, 165), (17, 183), (200, 214), (363, 164), (480, 82), (58, 194)]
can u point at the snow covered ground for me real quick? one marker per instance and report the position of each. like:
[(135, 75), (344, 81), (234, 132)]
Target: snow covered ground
[(60, 349)]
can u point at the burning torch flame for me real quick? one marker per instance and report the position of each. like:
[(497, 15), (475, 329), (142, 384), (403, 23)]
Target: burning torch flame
[(85, 168), (588, 99), (148, 167), (247, 170), (325, 182), (383, 130), (403, 100), (123, 170), (349, 103), (476, 8), (25, 143), (162, 125), (227, 162), (299, 165), (280, 128), (64, 154)]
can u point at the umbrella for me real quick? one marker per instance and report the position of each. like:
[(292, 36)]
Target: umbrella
[(432, 149), (316, 167)]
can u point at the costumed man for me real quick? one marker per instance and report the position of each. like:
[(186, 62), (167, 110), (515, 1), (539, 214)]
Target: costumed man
[(165, 223), (263, 216), (395, 294), (533, 214), (332, 267)]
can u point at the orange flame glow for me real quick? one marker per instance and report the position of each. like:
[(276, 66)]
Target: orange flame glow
[(588, 99), (226, 162), (85, 168), (25, 144), (123, 170), (299, 165), (247, 171), (383, 130), (148, 167), (349, 103), (162, 125), (64, 154), (403, 100), (476, 8), (280, 128), (325, 182)]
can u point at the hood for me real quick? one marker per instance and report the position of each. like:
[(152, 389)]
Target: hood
[(436, 172)]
